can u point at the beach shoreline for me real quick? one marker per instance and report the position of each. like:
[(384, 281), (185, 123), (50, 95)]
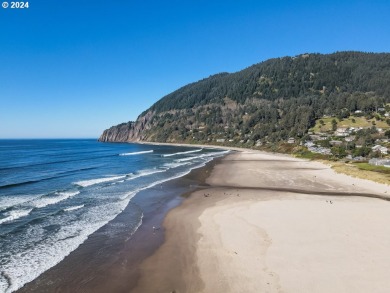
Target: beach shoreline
[(111, 264), (186, 253), (263, 211), (338, 166)]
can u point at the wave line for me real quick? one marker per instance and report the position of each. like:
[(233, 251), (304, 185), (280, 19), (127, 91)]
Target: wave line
[(13, 215), (182, 153), (136, 153)]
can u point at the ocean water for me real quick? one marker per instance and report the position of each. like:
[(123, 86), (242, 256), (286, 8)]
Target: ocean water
[(55, 193)]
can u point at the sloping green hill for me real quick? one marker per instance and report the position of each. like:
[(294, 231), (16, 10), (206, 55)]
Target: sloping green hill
[(269, 101)]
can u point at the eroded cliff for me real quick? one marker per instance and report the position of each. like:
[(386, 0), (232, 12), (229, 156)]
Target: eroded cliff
[(128, 132)]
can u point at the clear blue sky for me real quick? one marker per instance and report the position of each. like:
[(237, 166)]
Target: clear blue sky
[(73, 68)]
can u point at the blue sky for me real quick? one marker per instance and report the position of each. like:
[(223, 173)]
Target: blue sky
[(73, 68)]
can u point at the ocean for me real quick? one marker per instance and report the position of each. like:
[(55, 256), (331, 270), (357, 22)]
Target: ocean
[(55, 193)]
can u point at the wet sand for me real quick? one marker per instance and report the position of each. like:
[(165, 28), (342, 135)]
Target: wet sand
[(108, 261), (272, 223)]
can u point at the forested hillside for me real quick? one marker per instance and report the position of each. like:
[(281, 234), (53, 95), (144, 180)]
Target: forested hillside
[(265, 103)]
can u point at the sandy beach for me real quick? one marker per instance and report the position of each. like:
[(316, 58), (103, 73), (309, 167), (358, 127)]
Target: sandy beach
[(272, 223)]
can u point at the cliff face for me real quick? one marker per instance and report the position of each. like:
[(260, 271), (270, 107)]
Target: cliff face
[(128, 132)]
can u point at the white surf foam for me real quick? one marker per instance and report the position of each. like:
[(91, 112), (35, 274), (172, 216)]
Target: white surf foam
[(86, 183), (189, 158), (10, 201), (136, 153), (144, 173), (49, 200), (209, 158), (182, 153), (133, 193), (175, 165), (213, 154), (130, 195), (136, 227), (24, 265), (16, 214), (73, 208)]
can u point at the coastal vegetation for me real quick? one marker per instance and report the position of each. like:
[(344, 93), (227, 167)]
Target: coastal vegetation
[(325, 124), (334, 106), (361, 170)]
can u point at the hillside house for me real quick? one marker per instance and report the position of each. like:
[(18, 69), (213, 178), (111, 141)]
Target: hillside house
[(336, 142), (352, 129), (320, 150), (342, 132), (291, 140), (349, 138), (379, 162), (360, 158), (316, 137), (378, 148), (309, 144)]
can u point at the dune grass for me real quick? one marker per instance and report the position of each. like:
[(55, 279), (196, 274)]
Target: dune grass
[(368, 167), (378, 174)]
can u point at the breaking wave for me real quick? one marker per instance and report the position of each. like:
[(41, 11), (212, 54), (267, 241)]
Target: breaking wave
[(136, 153), (182, 153), (73, 208), (16, 214), (86, 183), (49, 200)]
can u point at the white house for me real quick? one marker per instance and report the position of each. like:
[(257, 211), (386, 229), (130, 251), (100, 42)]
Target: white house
[(349, 138), (336, 142), (378, 148), (341, 132), (291, 140)]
